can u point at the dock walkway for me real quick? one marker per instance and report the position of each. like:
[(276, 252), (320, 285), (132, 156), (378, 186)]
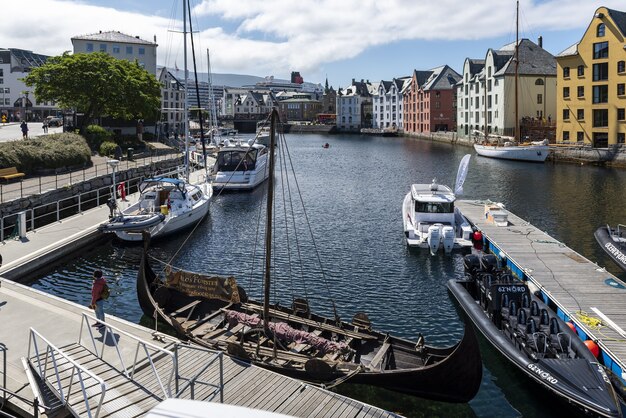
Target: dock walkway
[(61, 322), (583, 292)]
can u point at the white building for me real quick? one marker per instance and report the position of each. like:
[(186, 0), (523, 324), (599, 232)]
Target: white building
[(120, 46), (354, 106), (172, 102), (16, 98), (486, 94), (387, 103)]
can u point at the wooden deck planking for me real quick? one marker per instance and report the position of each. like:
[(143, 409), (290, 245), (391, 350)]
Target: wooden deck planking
[(574, 282)]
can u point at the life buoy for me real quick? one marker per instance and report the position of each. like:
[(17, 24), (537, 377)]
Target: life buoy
[(121, 190)]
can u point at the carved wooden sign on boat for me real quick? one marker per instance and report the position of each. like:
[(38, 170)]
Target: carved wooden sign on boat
[(198, 285)]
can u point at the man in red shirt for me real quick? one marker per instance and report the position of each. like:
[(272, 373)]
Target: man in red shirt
[(97, 302)]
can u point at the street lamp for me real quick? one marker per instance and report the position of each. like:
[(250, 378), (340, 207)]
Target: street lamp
[(112, 202)]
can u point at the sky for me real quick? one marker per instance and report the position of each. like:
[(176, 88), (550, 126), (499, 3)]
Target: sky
[(336, 40)]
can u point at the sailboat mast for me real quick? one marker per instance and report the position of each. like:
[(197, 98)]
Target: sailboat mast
[(517, 133), (268, 231), (185, 105)]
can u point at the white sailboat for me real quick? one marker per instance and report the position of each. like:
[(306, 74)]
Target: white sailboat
[(430, 218), (513, 150), (165, 205)]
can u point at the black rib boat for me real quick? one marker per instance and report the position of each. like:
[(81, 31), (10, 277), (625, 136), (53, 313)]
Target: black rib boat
[(613, 242), (532, 337), (328, 352)]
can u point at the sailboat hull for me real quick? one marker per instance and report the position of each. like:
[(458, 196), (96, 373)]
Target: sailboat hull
[(451, 374), (533, 153)]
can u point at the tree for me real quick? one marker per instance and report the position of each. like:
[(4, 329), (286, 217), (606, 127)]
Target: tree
[(97, 84)]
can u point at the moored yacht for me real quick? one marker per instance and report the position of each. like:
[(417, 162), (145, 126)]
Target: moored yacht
[(431, 220), (240, 166), (263, 133), (165, 205)]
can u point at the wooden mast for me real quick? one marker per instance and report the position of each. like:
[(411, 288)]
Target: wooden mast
[(517, 138), (268, 231)]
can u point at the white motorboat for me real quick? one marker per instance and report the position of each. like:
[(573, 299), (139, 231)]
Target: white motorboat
[(165, 205), (240, 166), (537, 152), (430, 218), (263, 133)]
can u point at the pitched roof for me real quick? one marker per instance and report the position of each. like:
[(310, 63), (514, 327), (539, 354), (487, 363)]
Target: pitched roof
[(533, 60), (571, 50), (619, 18), (442, 78), (113, 36), (475, 65), (421, 77)]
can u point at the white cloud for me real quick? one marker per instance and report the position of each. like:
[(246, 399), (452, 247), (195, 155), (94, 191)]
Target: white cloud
[(275, 36)]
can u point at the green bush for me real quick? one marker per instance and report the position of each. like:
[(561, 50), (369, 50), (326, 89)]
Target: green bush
[(96, 135), (46, 152), (107, 148)]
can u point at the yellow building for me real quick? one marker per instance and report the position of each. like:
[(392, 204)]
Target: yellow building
[(591, 79)]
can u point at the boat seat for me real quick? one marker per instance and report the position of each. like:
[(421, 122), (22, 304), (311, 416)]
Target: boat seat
[(511, 313), (534, 308), (522, 321), (525, 300), (544, 320)]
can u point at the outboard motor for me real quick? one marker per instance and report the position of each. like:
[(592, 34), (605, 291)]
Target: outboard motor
[(448, 238), (489, 263), (434, 238), (471, 263)]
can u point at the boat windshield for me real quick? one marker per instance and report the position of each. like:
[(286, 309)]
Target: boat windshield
[(434, 207), (236, 160)]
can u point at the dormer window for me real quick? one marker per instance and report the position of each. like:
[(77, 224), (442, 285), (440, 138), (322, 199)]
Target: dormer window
[(600, 30)]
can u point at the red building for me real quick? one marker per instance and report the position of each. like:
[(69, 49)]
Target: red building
[(429, 101)]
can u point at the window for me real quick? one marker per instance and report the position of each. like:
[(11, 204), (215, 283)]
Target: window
[(1, 72), (581, 91), (538, 82), (600, 50), (600, 139), (565, 135), (600, 30), (621, 66), (116, 49), (566, 72), (89, 47), (580, 114), (620, 89), (600, 94), (581, 70), (601, 71), (621, 115), (566, 92), (1, 80), (539, 98), (129, 50), (600, 118), (580, 136), (103, 47), (621, 137), (565, 114), (141, 50)]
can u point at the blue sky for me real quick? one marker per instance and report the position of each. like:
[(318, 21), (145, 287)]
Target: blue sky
[(338, 39)]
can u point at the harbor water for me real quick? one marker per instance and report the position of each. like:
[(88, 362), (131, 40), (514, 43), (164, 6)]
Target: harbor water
[(353, 192)]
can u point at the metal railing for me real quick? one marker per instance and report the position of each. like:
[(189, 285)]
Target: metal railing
[(150, 350), (67, 178), (52, 354), (42, 215), (192, 381)]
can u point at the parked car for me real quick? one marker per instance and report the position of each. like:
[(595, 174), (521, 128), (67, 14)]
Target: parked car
[(54, 121)]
